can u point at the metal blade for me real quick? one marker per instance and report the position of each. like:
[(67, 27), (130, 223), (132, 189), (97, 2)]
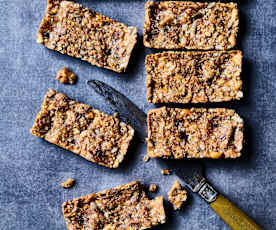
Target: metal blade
[(128, 111), (188, 170)]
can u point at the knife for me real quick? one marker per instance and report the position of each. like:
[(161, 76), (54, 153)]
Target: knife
[(189, 171)]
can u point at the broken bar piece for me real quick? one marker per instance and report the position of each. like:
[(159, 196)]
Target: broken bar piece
[(72, 29), (124, 207), (190, 25), (194, 133), (83, 130), (194, 77), (177, 195)]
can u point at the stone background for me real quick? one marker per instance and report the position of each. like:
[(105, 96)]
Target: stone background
[(31, 169)]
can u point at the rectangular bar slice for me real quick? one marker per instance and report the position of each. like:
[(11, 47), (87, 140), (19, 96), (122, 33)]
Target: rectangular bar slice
[(195, 133), (194, 77), (72, 29), (190, 25), (124, 207), (83, 130)]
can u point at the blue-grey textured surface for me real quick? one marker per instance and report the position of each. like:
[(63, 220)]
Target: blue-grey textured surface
[(31, 169)]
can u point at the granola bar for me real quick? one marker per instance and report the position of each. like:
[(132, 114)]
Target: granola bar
[(72, 29), (194, 77), (124, 207), (190, 25), (177, 195), (83, 130), (194, 133)]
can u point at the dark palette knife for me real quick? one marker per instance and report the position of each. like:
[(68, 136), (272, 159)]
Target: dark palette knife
[(189, 171)]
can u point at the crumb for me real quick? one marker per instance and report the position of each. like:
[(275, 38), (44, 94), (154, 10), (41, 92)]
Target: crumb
[(166, 171), (153, 188), (68, 183), (65, 76), (146, 158), (177, 195)]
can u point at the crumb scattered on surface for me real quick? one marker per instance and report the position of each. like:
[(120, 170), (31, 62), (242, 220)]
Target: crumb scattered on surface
[(68, 183), (153, 188), (177, 195), (146, 158), (166, 172), (65, 76)]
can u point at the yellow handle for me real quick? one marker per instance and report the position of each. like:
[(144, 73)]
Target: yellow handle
[(232, 215)]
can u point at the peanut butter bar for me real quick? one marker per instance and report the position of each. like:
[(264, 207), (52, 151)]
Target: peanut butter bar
[(124, 207), (177, 195), (83, 130), (72, 29), (190, 25), (194, 133), (194, 77)]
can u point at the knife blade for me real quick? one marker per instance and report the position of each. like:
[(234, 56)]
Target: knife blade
[(189, 171)]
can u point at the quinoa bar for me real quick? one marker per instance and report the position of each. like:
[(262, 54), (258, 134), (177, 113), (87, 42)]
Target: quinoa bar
[(194, 77), (194, 133), (125, 207), (177, 195), (83, 130), (190, 25), (72, 29)]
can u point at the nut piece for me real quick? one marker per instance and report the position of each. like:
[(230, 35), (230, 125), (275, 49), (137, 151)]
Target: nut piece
[(68, 183), (166, 171), (153, 188), (175, 133), (65, 76), (79, 128), (124, 207), (177, 195), (194, 77)]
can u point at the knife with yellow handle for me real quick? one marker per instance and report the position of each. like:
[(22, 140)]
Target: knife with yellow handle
[(189, 171)]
